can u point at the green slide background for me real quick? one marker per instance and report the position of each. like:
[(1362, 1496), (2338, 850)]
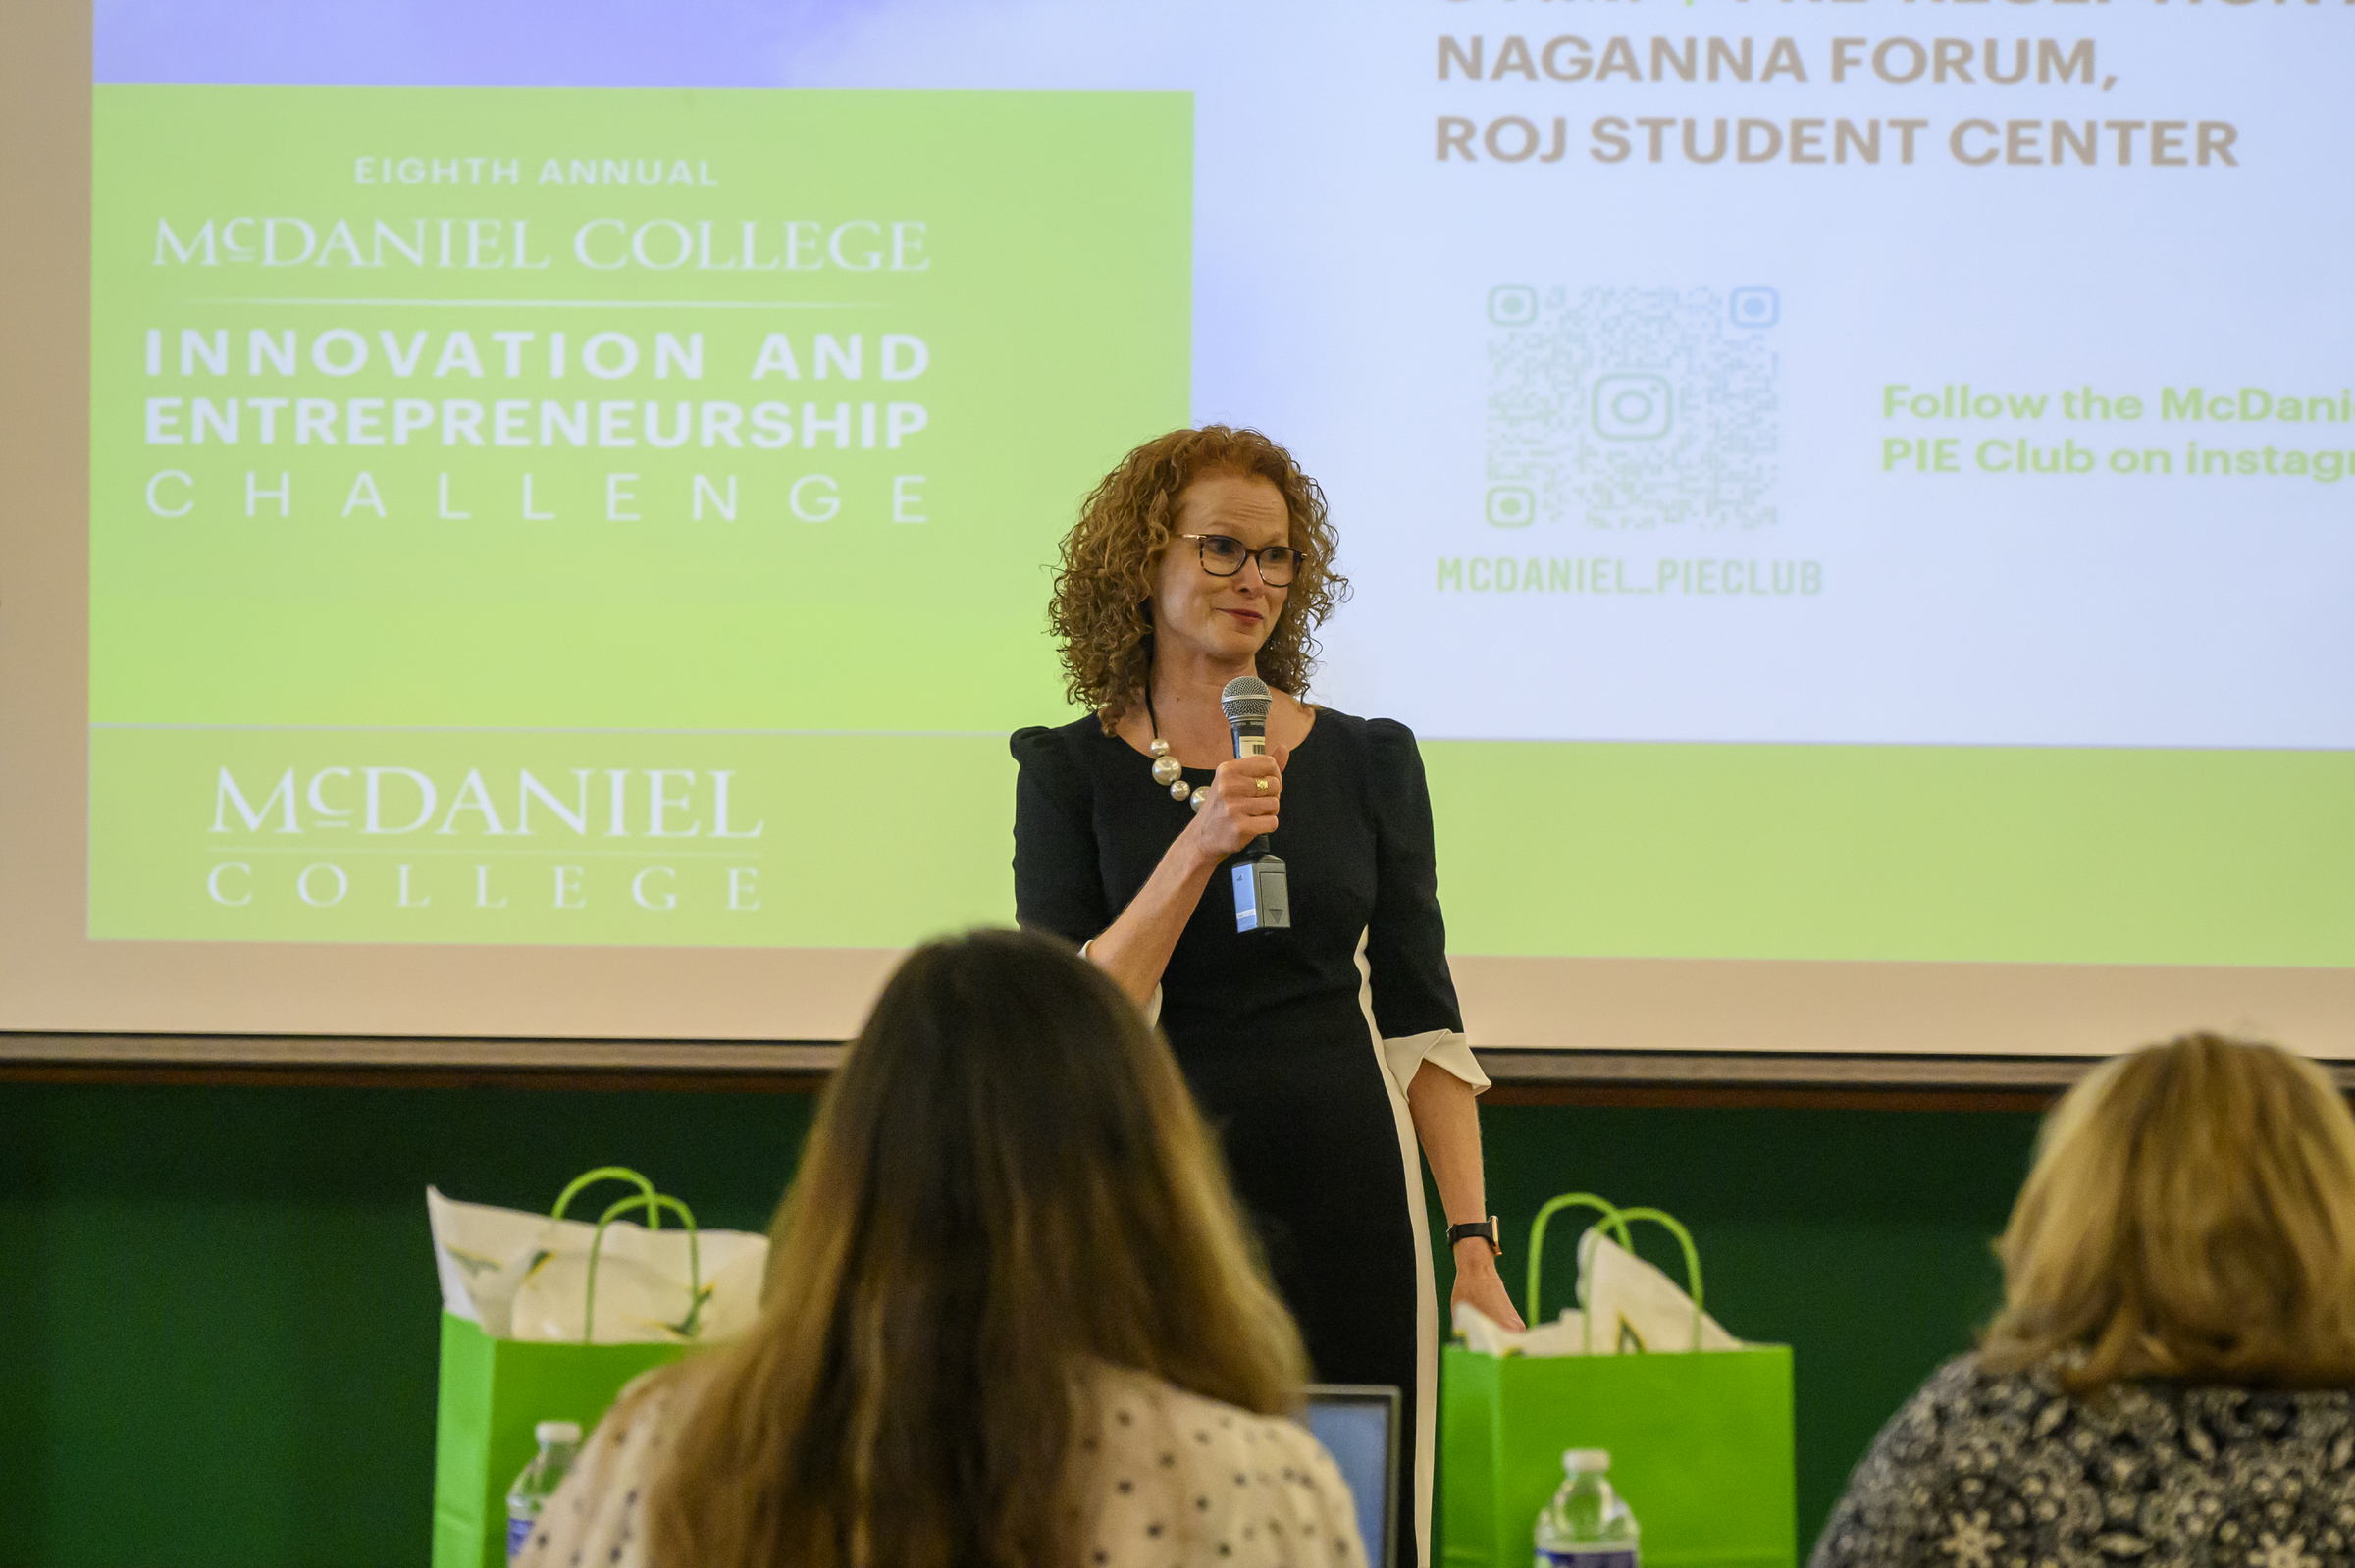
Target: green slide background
[(854, 675), (1970, 853)]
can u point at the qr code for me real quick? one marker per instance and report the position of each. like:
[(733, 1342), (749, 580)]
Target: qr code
[(1628, 409)]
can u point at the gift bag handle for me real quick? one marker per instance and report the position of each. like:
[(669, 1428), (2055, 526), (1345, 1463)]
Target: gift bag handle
[(1537, 1234), (1616, 1218), (608, 1173), (653, 1203)]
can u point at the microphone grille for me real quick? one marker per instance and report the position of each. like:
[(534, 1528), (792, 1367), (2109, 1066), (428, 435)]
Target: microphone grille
[(1245, 699)]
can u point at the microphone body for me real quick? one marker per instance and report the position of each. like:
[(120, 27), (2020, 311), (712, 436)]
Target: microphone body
[(1262, 886)]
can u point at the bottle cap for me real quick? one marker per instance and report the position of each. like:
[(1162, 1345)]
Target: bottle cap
[(1578, 1459), (557, 1432)]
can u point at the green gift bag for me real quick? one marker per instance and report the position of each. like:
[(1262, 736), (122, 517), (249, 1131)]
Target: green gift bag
[(495, 1391), (1701, 1441)]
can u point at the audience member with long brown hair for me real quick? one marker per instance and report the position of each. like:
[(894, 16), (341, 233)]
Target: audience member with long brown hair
[(1011, 1322), (2172, 1380)]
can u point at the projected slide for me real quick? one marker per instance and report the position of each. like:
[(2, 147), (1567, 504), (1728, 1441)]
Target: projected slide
[(1866, 481), (601, 517)]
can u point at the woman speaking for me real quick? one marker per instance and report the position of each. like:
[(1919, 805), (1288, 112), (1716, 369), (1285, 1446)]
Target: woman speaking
[(1206, 555)]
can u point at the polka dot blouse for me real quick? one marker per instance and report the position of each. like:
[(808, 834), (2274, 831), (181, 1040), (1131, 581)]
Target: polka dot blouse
[(1164, 1479)]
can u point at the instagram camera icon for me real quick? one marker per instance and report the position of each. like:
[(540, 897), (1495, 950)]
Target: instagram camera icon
[(1631, 407)]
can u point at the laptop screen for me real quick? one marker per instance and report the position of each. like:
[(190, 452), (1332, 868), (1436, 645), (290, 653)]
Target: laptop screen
[(1358, 1425)]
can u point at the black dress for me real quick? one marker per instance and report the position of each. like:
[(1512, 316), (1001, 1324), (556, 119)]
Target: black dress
[(1267, 1025)]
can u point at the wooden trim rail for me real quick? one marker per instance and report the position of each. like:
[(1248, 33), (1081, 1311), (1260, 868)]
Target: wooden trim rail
[(1522, 1076)]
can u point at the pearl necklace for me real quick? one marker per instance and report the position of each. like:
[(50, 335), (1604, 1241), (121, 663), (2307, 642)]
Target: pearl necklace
[(1166, 769)]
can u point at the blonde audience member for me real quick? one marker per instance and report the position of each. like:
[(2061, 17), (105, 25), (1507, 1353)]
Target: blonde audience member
[(2169, 1381), (1011, 1320)]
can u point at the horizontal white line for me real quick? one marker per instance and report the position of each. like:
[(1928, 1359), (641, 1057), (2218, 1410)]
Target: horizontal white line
[(1424, 739), (338, 852), (550, 304), (550, 729)]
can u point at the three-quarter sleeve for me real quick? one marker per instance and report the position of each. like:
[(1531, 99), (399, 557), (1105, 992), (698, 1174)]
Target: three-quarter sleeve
[(1415, 1008), (1058, 883)]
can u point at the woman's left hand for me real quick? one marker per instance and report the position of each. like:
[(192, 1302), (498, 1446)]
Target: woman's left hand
[(1476, 1281)]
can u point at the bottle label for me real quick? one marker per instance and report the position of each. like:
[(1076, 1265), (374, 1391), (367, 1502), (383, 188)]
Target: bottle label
[(1607, 1558), (519, 1530)]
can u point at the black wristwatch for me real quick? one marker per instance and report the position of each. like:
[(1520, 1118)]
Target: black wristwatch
[(1485, 1230)]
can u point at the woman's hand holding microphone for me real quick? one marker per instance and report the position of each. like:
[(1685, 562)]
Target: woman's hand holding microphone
[(1240, 803)]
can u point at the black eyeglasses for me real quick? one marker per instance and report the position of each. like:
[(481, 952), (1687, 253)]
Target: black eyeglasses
[(1224, 557)]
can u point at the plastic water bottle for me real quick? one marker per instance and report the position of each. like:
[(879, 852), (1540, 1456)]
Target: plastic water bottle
[(1587, 1525), (559, 1441)]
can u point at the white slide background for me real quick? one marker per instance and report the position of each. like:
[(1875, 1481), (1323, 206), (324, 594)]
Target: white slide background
[(1344, 279)]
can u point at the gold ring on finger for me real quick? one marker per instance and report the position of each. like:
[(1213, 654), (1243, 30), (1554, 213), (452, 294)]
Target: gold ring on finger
[(1263, 785)]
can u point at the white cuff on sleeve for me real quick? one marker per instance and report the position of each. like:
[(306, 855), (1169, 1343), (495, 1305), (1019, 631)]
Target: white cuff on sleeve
[(1447, 1048), (1153, 1002)]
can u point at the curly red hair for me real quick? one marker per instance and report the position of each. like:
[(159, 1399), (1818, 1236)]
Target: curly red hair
[(1102, 611)]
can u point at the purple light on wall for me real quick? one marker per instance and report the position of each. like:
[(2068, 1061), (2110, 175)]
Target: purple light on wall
[(462, 43)]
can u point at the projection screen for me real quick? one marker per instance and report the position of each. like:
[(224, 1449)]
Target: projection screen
[(542, 527)]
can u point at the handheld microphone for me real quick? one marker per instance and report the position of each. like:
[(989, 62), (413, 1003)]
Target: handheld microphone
[(1262, 893)]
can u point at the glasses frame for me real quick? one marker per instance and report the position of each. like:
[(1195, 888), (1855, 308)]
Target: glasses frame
[(1254, 556)]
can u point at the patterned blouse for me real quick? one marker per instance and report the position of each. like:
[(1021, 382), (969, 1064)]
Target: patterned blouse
[(1979, 1471), (1169, 1480)]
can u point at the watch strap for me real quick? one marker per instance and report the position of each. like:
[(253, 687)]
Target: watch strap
[(1484, 1230)]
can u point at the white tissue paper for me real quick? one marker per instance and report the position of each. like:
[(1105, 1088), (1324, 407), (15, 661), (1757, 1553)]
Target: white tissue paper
[(520, 1276), (1635, 1307)]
